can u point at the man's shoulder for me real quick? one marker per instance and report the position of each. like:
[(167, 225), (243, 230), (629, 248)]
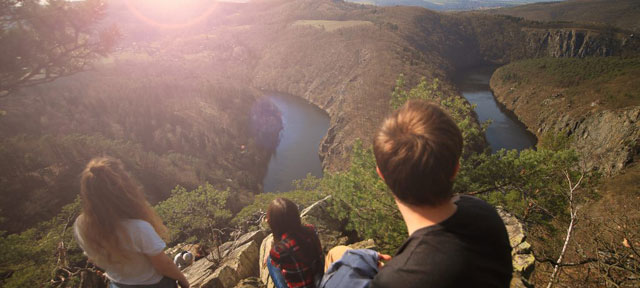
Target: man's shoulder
[(453, 253), (425, 263), (474, 214)]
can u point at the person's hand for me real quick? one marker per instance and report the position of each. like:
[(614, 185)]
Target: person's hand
[(183, 283), (383, 257), (101, 275)]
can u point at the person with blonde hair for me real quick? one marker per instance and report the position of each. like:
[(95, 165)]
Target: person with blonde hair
[(119, 231)]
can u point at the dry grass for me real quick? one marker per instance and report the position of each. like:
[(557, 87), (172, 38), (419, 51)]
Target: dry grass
[(581, 85), (620, 13), (330, 26)]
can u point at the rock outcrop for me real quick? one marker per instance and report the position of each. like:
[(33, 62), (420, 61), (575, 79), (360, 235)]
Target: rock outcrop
[(522, 256), (574, 42), (239, 261), (607, 139)]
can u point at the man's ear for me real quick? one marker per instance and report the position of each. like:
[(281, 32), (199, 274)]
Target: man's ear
[(456, 169), (379, 173)]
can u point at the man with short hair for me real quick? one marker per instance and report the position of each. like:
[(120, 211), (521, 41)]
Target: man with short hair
[(455, 241)]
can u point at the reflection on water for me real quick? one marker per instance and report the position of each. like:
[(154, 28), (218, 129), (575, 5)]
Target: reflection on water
[(505, 130), (304, 125)]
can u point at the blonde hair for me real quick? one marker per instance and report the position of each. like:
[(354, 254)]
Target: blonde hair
[(109, 195)]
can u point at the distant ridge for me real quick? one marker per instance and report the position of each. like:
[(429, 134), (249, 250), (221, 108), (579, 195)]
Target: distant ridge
[(449, 5), (621, 13)]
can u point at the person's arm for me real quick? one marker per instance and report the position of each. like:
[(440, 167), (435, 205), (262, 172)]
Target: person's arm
[(163, 264)]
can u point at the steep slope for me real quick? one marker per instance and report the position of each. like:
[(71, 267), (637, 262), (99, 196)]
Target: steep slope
[(343, 57), (595, 100), (168, 125)]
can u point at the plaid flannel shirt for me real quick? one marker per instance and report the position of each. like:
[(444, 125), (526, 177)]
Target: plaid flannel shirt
[(296, 266)]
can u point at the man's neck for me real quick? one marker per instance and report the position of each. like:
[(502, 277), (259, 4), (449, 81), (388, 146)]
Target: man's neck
[(418, 217)]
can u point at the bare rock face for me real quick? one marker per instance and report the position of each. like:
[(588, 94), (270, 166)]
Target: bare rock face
[(609, 138), (521, 254), (578, 43), (567, 43), (240, 261)]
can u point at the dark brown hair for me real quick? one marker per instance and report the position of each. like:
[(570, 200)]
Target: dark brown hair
[(417, 150), (283, 217)]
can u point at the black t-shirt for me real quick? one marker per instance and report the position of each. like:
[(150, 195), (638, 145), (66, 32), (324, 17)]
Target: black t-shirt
[(469, 249)]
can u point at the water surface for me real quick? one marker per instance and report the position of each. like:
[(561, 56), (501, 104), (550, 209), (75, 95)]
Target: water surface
[(304, 125), (505, 130)]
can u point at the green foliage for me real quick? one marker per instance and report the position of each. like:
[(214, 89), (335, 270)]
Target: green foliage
[(555, 141), (168, 133), (31, 257), (40, 174), (531, 184), (424, 91), (457, 107), (194, 214), (362, 199), (41, 42), (301, 195)]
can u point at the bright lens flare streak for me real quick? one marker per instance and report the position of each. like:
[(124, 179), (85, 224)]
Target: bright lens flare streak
[(169, 5)]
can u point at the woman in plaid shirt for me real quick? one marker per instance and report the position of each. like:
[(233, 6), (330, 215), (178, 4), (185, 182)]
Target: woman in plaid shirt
[(296, 258)]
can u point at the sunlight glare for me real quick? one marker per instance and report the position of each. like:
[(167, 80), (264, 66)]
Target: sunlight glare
[(171, 14)]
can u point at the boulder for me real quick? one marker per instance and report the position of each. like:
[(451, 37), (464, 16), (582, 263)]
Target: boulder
[(251, 282), (240, 261), (244, 260), (256, 236), (265, 247), (223, 277)]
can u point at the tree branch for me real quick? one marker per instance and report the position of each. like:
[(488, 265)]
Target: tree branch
[(573, 211), (554, 263)]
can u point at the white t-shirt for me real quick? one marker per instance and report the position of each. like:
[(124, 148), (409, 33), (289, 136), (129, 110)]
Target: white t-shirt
[(138, 269)]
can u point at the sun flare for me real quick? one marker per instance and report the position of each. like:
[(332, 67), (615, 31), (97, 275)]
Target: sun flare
[(171, 14)]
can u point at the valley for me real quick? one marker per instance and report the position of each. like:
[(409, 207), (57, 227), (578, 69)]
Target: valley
[(186, 105)]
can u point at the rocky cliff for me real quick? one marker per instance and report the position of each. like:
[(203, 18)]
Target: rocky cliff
[(596, 106), (571, 42)]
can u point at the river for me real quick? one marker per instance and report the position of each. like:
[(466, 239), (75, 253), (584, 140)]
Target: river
[(505, 130), (304, 125)]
